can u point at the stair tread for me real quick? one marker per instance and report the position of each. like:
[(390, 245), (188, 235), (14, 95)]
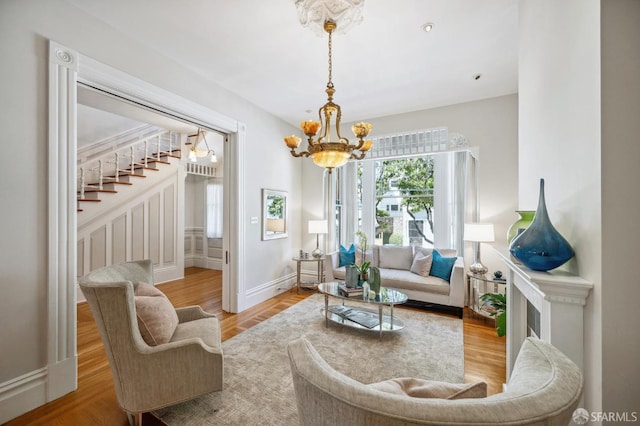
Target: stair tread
[(127, 174), (108, 181), (94, 188), (90, 189), (155, 160)]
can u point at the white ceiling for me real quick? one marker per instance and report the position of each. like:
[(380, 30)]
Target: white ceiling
[(386, 65)]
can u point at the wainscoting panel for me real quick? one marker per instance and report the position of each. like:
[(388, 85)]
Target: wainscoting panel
[(137, 232), (119, 240), (143, 228), (154, 229), (98, 248), (168, 235), (197, 251)]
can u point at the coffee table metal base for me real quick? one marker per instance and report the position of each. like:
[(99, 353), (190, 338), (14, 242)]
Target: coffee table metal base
[(358, 317)]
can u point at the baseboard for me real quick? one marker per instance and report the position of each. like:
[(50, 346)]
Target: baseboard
[(23, 394), (168, 273), (203, 262), (266, 291)]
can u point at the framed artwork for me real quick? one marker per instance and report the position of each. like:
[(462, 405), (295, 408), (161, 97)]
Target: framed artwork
[(274, 214)]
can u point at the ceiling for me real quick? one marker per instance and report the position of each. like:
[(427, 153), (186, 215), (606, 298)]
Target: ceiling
[(386, 65)]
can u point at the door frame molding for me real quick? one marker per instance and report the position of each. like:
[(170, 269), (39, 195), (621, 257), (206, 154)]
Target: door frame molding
[(66, 69)]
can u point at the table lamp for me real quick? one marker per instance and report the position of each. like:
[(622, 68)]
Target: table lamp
[(318, 227), (478, 233)]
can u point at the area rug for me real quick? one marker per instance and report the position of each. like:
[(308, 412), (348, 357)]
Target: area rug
[(258, 388)]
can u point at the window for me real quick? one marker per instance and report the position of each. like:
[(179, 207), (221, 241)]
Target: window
[(404, 198), (214, 208), (417, 188)]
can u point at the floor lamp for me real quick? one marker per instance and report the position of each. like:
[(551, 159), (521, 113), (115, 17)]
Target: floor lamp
[(478, 233), (318, 227)]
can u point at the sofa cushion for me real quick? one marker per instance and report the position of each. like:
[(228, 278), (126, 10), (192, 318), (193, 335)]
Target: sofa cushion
[(441, 266), (347, 256), (157, 318), (206, 329), (421, 264), (406, 280), (396, 257), (420, 388), (429, 250)]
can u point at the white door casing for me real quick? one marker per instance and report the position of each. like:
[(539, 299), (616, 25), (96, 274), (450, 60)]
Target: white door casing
[(66, 68)]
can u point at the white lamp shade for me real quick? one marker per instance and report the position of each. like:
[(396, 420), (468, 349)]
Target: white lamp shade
[(318, 227), (480, 232)]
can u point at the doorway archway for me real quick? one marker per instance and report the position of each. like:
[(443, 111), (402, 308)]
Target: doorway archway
[(67, 68)]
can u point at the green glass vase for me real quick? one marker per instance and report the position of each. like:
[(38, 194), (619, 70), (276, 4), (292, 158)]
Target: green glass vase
[(525, 217)]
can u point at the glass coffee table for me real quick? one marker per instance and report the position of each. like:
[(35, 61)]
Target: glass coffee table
[(361, 316)]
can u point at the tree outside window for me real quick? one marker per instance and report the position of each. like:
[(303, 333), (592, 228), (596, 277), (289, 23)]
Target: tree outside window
[(404, 201)]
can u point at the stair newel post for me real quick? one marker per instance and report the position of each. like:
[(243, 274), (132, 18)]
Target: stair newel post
[(117, 174), (133, 161), (158, 149)]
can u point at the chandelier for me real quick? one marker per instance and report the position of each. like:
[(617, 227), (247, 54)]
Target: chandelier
[(197, 151), (322, 150)]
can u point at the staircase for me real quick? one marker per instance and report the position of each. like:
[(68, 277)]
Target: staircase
[(107, 167)]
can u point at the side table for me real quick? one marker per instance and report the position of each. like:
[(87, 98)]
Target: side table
[(320, 276), (479, 285)]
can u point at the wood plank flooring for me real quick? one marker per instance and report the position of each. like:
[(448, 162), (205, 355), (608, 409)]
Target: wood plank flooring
[(95, 401)]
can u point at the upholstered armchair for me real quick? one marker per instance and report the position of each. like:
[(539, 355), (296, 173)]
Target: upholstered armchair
[(167, 356), (544, 389)]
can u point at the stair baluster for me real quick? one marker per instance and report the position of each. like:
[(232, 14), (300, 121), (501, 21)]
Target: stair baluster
[(100, 174), (133, 161), (146, 152), (117, 178), (158, 148), (82, 182)]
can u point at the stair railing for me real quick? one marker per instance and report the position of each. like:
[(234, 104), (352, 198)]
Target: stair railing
[(166, 142)]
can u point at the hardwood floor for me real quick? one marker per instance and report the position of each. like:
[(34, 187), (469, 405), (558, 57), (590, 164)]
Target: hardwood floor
[(95, 401)]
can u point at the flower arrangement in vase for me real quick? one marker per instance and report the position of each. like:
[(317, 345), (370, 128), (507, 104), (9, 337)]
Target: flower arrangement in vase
[(363, 268)]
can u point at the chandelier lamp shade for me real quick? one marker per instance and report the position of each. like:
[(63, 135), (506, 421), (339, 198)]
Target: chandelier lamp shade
[(478, 233), (197, 150), (323, 151)]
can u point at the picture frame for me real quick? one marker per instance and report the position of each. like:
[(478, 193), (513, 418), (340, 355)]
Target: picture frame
[(274, 214)]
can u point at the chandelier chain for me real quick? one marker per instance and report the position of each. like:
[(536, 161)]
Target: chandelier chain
[(330, 83)]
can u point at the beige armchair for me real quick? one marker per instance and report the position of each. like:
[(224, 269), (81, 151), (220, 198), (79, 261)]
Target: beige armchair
[(149, 377), (544, 389)]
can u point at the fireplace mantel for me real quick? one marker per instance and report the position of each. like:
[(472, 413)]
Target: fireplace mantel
[(559, 298)]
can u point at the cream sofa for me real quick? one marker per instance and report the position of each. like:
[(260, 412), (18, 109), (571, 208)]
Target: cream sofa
[(395, 264), (544, 389)]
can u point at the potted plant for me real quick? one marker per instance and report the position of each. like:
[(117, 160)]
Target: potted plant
[(496, 305), (363, 268)]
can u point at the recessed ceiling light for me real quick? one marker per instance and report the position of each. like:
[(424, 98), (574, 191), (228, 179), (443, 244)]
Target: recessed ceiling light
[(428, 27)]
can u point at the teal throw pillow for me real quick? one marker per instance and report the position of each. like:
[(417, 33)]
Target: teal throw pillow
[(347, 257), (441, 267)]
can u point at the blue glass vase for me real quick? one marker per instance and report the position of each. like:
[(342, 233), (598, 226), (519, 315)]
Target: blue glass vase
[(540, 247)]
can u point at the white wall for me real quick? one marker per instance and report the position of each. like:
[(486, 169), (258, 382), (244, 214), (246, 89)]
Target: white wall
[(25, 28), (620, 51), (559, 91)]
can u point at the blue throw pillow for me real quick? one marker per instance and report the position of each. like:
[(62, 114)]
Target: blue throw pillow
[(441, 267), (347, 257)]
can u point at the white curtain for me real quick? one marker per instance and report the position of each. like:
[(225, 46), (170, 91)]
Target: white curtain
[(214, 208)]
